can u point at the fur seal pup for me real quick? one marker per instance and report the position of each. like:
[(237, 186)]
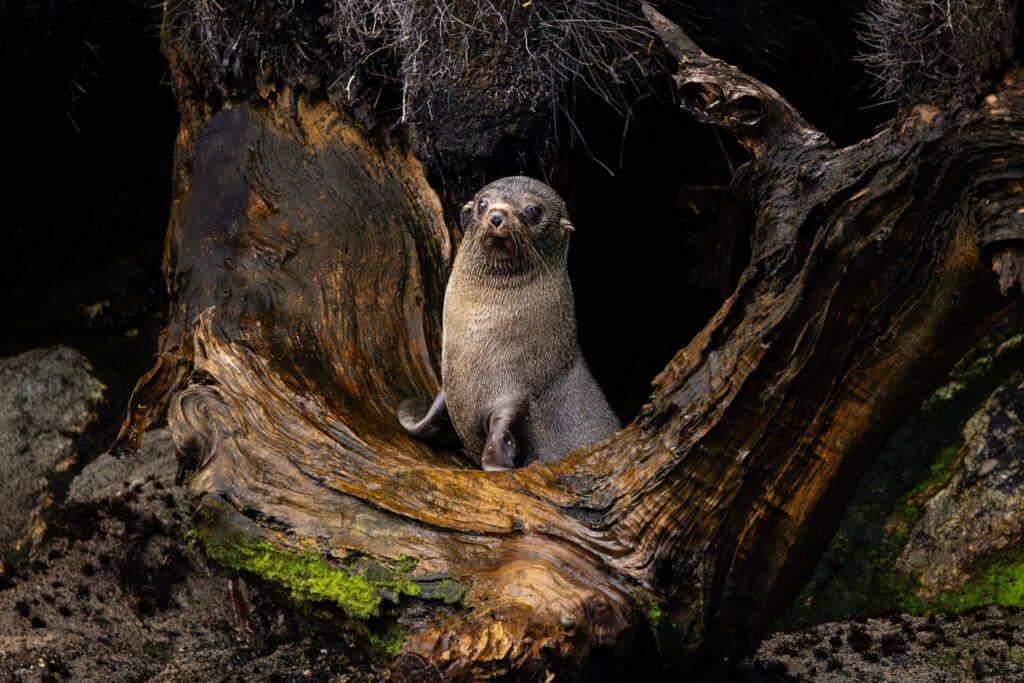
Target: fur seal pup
[(515, 386)]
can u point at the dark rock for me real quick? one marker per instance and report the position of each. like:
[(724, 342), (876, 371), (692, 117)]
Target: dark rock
[(903, 648), (121, 596), (980, 510), (48, 399), (109, 478)]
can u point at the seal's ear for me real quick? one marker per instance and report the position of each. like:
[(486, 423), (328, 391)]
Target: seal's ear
[(467, 210), (567, 226)]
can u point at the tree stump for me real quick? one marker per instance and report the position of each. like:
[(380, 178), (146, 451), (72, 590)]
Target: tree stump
[(306, 260)]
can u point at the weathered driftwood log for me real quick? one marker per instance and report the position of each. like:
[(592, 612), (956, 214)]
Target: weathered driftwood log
[(307, 258)]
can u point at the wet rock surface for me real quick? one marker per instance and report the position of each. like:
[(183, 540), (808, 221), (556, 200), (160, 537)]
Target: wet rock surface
[(979, 511), (48, 400)]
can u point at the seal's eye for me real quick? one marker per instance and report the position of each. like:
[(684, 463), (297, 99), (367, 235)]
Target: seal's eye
[(533, 212), (481, 205)]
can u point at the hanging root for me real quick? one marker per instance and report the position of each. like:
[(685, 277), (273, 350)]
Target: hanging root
[(451, 69)]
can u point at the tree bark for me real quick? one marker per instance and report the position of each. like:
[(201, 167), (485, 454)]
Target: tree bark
[(306, 259)]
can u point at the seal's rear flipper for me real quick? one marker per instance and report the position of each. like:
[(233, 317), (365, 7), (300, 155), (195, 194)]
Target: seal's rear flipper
[(501, 451), (429, 424)]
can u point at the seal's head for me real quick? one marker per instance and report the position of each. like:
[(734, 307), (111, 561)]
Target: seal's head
[(516, 224)]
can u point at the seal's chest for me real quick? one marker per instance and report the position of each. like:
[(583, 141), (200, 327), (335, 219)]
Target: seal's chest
[(483, 316)]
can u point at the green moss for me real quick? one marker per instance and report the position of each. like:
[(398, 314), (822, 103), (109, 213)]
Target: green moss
[(898, 591), (660, 627), (406, 563), (384, 647), (305, 576), (449, 591), (1001, 582), (672, 637), (654, 614), (233, 542), (890, 589), (939, 474), (657, 619)]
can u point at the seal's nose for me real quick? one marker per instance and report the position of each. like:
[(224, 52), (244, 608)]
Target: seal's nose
[(496, 218)]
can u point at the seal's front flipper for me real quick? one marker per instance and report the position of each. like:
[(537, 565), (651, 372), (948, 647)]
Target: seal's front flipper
[(501, 451), (429, 424)]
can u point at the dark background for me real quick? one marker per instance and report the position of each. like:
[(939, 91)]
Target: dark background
[(91, 124)]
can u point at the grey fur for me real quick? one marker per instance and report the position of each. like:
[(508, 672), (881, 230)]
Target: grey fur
[(511, 366)]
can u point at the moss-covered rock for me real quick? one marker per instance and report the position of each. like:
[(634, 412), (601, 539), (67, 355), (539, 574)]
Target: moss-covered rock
[(978, 512), (858, 575)]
